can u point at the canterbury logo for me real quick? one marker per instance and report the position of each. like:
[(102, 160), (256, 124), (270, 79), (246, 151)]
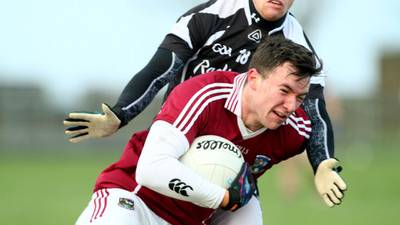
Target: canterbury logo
[(179, 187)]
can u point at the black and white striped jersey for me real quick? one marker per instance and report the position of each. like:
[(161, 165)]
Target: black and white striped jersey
[(223, 35)]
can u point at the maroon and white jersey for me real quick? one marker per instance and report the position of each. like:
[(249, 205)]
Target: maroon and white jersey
[(208, 104)]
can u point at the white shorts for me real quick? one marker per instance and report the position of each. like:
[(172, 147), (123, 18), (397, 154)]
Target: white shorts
[(120, 207), (251, 213), (115, 206)]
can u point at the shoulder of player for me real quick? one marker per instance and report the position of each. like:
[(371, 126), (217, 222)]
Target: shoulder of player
[(204, 83), (292, 20), (218, 76), (217, 10), (293, 30)]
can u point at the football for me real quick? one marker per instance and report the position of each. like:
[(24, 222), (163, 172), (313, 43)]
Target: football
[(214, 158)]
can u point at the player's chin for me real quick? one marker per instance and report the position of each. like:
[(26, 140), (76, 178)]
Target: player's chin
[(272, 125)]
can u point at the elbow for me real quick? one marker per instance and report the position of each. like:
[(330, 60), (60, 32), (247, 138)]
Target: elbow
[(142, 174)]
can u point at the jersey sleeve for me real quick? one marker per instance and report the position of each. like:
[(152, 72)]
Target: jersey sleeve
[(158, 167), (188, 35), (144, 85), (321, 145), (180, 120)]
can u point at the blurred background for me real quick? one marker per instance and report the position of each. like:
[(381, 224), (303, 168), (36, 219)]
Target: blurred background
[(57, 56)]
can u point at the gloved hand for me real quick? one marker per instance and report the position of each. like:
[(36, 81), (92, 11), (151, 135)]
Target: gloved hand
[(241, 189), (329, 184), (86, 125)]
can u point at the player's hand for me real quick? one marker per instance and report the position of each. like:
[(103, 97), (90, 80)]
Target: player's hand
[(329, 184), (86, 125), (241, 189)]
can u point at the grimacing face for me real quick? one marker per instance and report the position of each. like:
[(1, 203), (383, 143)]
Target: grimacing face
[(272, 10), (276, 96)]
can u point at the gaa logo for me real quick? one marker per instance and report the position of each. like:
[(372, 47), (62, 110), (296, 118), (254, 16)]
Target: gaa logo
[(222, 49)]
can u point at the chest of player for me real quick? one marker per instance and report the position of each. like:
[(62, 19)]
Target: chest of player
[(271, 147), (260, 150), (230, 52)]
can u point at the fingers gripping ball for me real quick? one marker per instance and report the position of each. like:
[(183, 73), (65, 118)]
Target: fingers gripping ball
[(242, 189), (214, 158)]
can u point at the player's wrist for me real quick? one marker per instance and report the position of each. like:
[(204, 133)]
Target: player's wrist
[(225, 200), (120, 114)]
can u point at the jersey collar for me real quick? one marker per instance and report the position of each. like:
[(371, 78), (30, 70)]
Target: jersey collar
[(265, 25), (234, 104)]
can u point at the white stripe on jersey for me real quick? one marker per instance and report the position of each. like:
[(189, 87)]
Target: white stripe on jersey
[(300, 119), (181, 29), (204, 105), (233, 99), (302, 129), (219, 8), (196, 102), (325, 129), (225, 8), (214, 37)]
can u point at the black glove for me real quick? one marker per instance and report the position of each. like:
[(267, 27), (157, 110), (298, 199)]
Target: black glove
[(241, 189)]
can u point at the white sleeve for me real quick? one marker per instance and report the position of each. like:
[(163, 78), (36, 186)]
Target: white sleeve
[(158, 165)]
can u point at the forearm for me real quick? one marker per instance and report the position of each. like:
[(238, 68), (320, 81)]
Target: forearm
[(159, 169), (321, 144), (144, 86)]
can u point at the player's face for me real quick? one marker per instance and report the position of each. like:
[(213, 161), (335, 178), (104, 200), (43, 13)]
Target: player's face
[(272, 10), (278, 95)]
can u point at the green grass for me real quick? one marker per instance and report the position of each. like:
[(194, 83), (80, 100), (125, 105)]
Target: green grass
[(48, 188), (53, 188), (372, 197)]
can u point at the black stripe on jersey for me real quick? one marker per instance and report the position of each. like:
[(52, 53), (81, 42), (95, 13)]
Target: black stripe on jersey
[(312, 49)]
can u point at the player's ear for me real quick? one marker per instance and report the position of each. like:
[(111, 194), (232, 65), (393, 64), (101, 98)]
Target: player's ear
[(253, 77)]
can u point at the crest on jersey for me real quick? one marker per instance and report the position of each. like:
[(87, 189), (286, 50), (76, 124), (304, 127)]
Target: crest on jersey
[(260, 163), (255, 36), (126, 203)]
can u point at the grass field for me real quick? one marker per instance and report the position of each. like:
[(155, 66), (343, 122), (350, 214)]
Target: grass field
[(53, 188)]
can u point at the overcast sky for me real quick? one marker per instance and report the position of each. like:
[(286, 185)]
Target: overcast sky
[(71, 46)]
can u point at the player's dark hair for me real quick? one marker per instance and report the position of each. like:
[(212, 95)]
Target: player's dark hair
[(276, 50)]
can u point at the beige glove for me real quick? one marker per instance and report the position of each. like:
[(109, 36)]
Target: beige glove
[(328, 182), (87, 125)]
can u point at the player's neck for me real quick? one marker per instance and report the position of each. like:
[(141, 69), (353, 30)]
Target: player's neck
[(249, 116)]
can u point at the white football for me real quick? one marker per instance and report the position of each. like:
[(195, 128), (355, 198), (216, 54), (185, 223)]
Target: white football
[(214, 158)]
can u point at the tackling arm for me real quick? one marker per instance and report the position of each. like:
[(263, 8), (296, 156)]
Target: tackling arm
[(135, 97), (187, 36), (321, 144), (320, 149), (144, 86)]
